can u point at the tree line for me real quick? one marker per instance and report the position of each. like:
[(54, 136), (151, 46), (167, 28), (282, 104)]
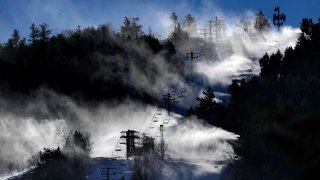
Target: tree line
[(275, 113), (85, 63)]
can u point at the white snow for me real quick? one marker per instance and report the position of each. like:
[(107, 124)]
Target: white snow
[(195, 151)]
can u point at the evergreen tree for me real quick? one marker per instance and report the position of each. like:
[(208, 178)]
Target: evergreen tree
[(261, 23), (136, 28), (15, 38), (125, 28), (178, 34), (35, 33), (207, 102), (189, 24), (174, 19), (13, 41), (306, 26), (44, 32), (191, 111), (245, 24), (131, 28)]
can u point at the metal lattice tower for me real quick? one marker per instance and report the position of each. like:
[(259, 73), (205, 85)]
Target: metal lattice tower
[(168, 99), (214, 28), (130, 137)]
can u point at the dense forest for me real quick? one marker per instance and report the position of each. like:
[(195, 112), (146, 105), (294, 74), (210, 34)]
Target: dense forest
[(89, 64), (276, 113)]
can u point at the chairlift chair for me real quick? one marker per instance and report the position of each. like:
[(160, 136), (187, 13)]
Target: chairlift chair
[(118, 148), (174, 85), (113, 154), (165, 121), (173, 91), (155, 119), (151, 126), (180, 95), (122, 141), (172, 96), (159, 111), (138, 143), (183, 90)]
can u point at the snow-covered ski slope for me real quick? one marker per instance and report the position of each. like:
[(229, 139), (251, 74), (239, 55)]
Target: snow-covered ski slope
[(195, 151)]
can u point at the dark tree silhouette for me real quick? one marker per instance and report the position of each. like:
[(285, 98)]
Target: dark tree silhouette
[(189, 24), (65, 163), (35, 33), (306, 26), (207, 102), (261, 22), (277, 115), (44, 32), (131, 28), (174, 19)]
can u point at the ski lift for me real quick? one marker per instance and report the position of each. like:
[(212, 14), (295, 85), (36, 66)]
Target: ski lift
[(122, 141), (155, 119), (139, 143), (180, 95), (113, 155), (173, 92), (172, 96), (158, 111), (174, 85), (151, 126), (183, 90), (166, 121), (118, 148)]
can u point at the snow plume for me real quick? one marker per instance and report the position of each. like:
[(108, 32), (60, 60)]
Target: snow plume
[(43, 120), (49, 114), (195, 149), (237, 55), (195, 139), (21, 137)]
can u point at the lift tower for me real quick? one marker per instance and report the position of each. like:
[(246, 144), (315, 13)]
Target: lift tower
[(130, 137), (278, 18), (161, 142), (192, 55)]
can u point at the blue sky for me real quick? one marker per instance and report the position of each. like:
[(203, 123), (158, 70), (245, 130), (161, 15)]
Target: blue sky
[(67, 14)]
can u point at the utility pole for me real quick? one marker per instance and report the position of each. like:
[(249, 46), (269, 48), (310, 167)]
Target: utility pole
[(204, 33), (210, 30), (130, 137), (218, 27), (161, 143), (193, 56), (278, 18), (168, 99), (215, 26), (208, 27), (106, 172)]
